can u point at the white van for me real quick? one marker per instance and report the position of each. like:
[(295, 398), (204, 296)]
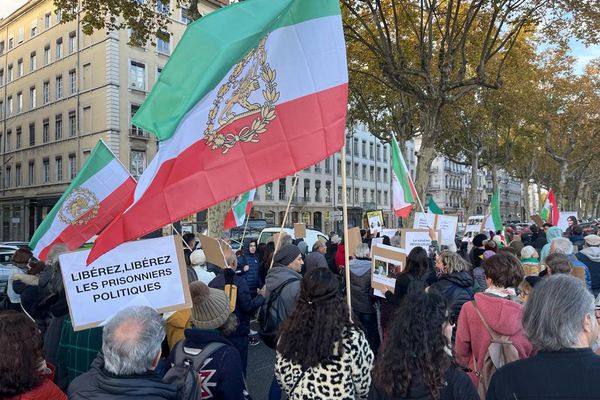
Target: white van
[(312, 236)]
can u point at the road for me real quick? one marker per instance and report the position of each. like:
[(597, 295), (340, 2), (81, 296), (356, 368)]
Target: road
[(260, 371)]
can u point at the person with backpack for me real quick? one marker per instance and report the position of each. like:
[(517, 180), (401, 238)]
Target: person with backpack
[(416, 360), (494, 316), (560, 319), (206, 349)]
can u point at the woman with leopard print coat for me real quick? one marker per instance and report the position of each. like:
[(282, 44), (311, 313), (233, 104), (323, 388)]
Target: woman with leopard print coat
[(321, 355)]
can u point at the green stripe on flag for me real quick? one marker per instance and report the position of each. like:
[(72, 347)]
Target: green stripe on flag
[(401, 172), (495, 208), (98, 159), (208, 50), (240, 207), (433, 207)]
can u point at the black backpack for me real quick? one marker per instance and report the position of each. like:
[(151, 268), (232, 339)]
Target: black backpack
[(271, 314)]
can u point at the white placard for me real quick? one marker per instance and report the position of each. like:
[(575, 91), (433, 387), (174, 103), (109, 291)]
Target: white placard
[(375, 219), (416, 238), (424, 220), (447, 225), (563, 224), (153, 269), (388, 232), (385, 261)]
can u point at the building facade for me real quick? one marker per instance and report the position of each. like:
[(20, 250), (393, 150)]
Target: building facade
[(60, 93)]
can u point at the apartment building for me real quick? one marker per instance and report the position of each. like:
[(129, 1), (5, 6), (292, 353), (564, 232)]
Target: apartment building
[(61, 92)]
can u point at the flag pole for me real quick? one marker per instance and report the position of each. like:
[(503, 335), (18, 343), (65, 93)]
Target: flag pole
[(287, 210), (244, 233), (346, 242), (184, 242)]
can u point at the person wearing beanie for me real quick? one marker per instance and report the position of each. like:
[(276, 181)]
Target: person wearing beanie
[(590, 256), (198, 260), (211, 320)]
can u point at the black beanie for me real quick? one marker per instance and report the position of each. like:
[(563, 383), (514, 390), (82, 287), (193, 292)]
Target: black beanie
[(287, 254), (478, 240)]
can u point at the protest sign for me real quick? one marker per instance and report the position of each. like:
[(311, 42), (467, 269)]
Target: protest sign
[(148, 272), (388, 232), (213, 251), (375, 242), (537, 219), (386, 262), (563, 223), (411, 238), (299, 230), (424, 220), (375, 219), (354, 239), (447, 226)]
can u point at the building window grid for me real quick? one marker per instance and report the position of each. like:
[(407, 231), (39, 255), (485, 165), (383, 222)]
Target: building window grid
[(32, 98), (72, 42), (17, 175), (19, 67), (46, 170), (46, 131), (9, 73), (31, 173), (58, 127), (59, 168), (47, 55), (32, 134), (72, 82), (58, 48), (18, 138), (72, 124), (59, 87), (72, 166), (19, 102), (137, 75)]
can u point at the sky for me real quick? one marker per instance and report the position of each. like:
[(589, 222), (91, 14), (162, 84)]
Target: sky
[(578, 50)]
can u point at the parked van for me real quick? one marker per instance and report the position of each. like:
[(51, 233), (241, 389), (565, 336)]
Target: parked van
[(312, 236)]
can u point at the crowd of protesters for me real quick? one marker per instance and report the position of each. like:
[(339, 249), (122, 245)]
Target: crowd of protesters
[(511, 315)]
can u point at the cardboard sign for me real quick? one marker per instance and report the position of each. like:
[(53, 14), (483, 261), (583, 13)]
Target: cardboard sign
[(354, 239), (213, 251), (447, 225), (424, 220), (376, 242), (537, 219), (563, 223), (386, 261), (411, 238), (149, 272), (388, 232), (299, 230), (375, 219)]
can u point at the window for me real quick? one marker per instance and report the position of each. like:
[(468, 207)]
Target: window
[(8, 140), (364, 195), (269, 191), (72, 166), (46, 130), (59, 87), (47, 54), (72, 82), (11, 43), (17, 175), (1, 110), (356, 195), (364, 172), (137, 163), (10, 106), (47, 20), (328, 165), (7, 177), (355, 147), (371, 151), (86, 79), (32, 134), (356, 170), (385, 155), (379, 197), (72, 42), (19, 134), (385, 196), (339, 194), (134, 130), (372, 197), (137, 75), (364, 149), (58, 165), (372, 173), (163, 42), (46, 92), (9, 75), (86, 120), (328, 192), (21, 35), (72, 124), (184, 16), (162, 6), (32, 61), (58, 48), (385, 177), (58, 127), (19, 67), (378, 174), (19, 102), (32, 98), (307, 190), (1, 76), (46, 170), (339, 167), (31, 173), (282, 188), (158, 72), (33, 31), (1, 47), (58, 16), (378, 152)]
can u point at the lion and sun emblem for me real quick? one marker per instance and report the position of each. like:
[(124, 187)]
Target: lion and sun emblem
[(80, 206)]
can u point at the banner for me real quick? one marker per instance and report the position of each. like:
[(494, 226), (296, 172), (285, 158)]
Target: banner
[(446, 224), (424, 220), (144, 272), (386, 262), (563, 222), (411, 238)]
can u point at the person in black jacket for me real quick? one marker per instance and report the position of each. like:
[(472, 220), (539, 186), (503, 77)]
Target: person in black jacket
[(415, 360), (454, 282)]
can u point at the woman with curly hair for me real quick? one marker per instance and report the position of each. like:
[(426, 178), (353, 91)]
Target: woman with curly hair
[(24, 375), (320, 353), (415, 360)]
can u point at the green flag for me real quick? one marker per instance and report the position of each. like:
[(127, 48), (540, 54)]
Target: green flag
[(433, 208)]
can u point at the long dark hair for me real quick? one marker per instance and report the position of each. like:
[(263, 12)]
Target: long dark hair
[(21, 346), (414, 349), (417, 262), (309, 335)]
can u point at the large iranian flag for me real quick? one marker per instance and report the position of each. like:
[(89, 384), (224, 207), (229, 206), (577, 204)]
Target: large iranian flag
[(403, 190), (550, 212), (253, 92), (494, 219), (102, 189)]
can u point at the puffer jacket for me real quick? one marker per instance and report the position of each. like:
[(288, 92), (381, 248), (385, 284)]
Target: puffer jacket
[(457, 288), (360, 285), (590, 256), (252, 276)]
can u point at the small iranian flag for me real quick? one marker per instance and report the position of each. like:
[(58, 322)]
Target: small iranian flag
[(240, 208), (550, 212), (102, 189), (494, 219), (433, 208), (403, 189)]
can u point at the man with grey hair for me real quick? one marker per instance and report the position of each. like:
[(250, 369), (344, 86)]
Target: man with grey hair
[(560, 320), (564, 246), (131, 349), (316, 258)]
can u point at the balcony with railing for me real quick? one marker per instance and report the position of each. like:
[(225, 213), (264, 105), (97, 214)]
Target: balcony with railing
[(136, 132)]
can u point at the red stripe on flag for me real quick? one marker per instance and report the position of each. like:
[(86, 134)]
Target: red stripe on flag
[(229, 221), (73, 236), (403, 212), (306, 130)]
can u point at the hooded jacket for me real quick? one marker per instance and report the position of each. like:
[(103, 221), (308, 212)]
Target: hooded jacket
[(457, 288), (590, 256), (252, 276), (99, 384), (553, 233), (360, 285), (315, 260), (276, 277), (472, 339)]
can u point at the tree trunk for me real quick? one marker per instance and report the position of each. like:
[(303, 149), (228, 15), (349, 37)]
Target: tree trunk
[(539, 203), (429, 125), (560, 196), (526, 200), (495, 185), (472, 209), (216, 216)]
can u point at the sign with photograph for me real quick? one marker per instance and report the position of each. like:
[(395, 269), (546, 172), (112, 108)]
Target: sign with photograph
[(375, 219), (563, 222), (424, 220), (387, 261)]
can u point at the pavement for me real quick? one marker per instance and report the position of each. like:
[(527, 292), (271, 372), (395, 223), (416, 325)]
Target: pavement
[(259, 372)]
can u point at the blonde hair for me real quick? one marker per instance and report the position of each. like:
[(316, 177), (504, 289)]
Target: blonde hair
[(453, 262)]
